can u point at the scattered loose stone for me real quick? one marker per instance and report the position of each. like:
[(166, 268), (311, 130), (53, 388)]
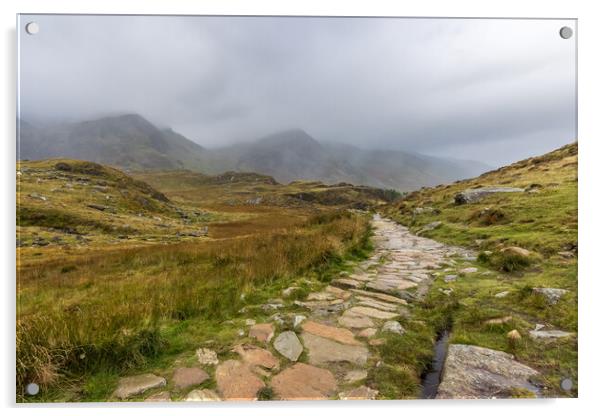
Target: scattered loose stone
[(320, 296), (367, 333), (250, 322), (162, 396), (472, 372), (469, 270), (394, 327), (344, 336), (517, 251), (297, 319), (131, 386), (262, 332), (207, 356), (235, 381), (450, 278), (323, 351), (498, 321), (304, 382), (255, 356), (289, 291), (502, 294), (359, 393), (185, 377), (355, 376), (202, 395), (288, 345), (514, 335), (376, 342), (553, 295)]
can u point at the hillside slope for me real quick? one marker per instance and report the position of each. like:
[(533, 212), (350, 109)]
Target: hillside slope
[(127, 141), (526, 276)]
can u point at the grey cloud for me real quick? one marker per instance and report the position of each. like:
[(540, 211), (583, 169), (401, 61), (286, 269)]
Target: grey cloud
[(493, 90)]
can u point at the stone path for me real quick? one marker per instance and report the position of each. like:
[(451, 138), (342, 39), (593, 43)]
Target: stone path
[(327, 356)]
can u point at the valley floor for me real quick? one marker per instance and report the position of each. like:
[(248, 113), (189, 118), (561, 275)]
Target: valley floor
[(362, 336)]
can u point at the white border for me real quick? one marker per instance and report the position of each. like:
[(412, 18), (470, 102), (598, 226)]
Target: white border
[(590, 157)]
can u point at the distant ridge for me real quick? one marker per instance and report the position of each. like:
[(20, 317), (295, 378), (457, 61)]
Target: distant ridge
[(131, 142)]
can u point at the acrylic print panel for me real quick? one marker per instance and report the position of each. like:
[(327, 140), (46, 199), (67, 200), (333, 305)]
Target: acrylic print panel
[(295, 208)]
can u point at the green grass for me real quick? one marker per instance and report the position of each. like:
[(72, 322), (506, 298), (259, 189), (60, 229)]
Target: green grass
[(544, 222)]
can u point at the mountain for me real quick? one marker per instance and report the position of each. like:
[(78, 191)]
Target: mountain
[(131, 142), (128, 141)]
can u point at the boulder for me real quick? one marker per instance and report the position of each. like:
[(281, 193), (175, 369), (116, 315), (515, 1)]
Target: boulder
[(469, 196), (304, 382), (134, 385), (553, 295), (472, 372), (288, 345)]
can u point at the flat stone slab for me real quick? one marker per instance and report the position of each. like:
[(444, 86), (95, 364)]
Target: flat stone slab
[(355, 321), (359, 393), (472, 372), (255, 356), (202, 395), (304, 382), (134, 385), (339, 293), (549, 334), (323, 351), (235, 381), (185, 377), (372, 313), (347, 283), (342, 335), (380, 296), (389, 287), (288, 345), (262, 332), (365, 301)]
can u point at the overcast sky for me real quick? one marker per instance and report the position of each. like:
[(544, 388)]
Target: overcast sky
[(490, 90)]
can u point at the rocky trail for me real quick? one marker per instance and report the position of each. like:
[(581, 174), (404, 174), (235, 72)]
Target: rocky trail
[(325, 352)]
